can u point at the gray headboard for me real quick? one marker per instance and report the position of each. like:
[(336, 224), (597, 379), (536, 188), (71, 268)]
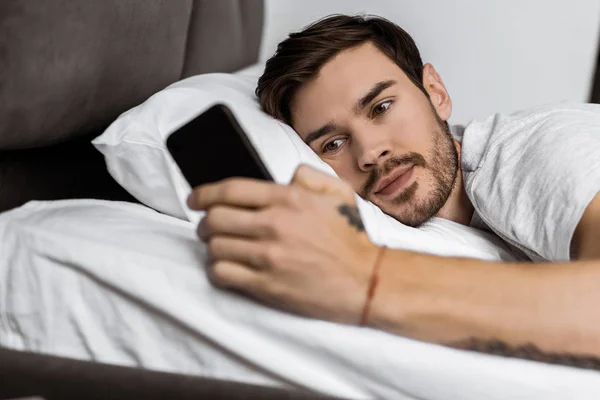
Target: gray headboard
[(69, 68)]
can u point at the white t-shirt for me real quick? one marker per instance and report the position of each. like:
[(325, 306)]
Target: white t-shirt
[(531, 175)]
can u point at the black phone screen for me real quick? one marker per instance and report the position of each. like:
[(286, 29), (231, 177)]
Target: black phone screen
[(212, 147)]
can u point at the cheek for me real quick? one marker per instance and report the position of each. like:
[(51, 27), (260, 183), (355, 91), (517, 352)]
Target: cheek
[(413, 130), (345, 167)]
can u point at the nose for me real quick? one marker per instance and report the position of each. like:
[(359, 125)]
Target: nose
[(373, 148)]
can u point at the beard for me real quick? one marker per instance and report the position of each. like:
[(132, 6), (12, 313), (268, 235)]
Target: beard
[(441, 164)]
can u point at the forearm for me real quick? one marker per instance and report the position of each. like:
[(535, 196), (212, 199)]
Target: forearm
[(458, 301)]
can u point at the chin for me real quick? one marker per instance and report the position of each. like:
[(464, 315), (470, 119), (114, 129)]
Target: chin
[(413, 213)]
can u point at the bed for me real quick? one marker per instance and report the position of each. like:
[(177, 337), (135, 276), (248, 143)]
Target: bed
[(86, 251)]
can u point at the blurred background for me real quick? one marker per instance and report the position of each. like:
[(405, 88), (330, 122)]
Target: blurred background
[(494, 56)]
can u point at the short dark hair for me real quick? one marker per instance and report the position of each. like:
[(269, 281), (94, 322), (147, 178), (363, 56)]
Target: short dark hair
[(300, 57)]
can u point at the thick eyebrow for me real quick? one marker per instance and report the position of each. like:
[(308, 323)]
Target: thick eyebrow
[(374, 92), (322, 131), (360, 104)]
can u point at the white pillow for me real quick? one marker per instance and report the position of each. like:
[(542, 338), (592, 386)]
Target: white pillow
[(137, 158), (135, 151)]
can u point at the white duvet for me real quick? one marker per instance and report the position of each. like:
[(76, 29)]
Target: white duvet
[(123, 284)]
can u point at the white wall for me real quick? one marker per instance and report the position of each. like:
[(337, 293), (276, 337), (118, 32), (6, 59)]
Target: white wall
[(494, 56)]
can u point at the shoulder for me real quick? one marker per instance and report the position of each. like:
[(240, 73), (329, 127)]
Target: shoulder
[(536, 130), (531, 174)]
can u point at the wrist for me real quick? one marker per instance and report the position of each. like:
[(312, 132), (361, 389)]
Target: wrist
[(372, 284), (390, 305), (441, 299), (420, 296)]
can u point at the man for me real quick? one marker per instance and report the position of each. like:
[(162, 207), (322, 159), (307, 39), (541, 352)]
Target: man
[(356, 91)]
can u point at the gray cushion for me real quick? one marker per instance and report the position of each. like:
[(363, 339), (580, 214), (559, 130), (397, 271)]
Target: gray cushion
[(224, 36), (69, 68)]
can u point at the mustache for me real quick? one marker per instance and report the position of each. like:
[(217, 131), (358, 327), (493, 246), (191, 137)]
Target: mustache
[(378, 172)]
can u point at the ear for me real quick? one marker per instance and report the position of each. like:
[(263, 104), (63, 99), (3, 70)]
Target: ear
[(432, 82)]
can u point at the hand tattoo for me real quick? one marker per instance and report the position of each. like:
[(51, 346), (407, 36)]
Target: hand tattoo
[(353, 216), (527, 351)]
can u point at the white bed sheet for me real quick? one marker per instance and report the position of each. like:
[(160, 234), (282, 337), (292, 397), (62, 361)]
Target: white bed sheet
[(120, 283)]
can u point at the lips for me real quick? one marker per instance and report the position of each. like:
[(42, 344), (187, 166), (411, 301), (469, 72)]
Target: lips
[(396, 180)]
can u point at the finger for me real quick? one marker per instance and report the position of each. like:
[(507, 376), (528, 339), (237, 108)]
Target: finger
[(230, 221), (238, 250), (237, 192), (317, 181), (232, 275)]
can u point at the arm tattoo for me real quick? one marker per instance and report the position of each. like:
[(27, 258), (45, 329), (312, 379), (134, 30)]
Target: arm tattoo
[(527, 351), (353, 216)]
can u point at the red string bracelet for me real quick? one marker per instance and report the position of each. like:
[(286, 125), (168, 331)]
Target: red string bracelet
[(372, 286)]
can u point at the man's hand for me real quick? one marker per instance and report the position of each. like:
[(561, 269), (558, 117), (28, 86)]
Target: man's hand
[(300, 247)]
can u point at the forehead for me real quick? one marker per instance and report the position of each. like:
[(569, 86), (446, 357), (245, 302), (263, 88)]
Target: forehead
[(340, 82)]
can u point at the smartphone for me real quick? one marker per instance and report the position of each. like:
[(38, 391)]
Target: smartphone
[(213, 146)]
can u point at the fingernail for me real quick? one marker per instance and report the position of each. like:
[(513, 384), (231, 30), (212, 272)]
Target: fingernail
[(202, 232)]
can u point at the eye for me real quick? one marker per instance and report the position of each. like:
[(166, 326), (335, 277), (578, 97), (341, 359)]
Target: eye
[(333, 146), (381, 108)]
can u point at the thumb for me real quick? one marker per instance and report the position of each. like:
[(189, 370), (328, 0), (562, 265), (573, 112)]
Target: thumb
[(317, 181)]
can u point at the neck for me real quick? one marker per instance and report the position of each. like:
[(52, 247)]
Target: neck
[(458, 207)]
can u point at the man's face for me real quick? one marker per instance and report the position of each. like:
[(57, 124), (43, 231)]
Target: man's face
[(365, 118)]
